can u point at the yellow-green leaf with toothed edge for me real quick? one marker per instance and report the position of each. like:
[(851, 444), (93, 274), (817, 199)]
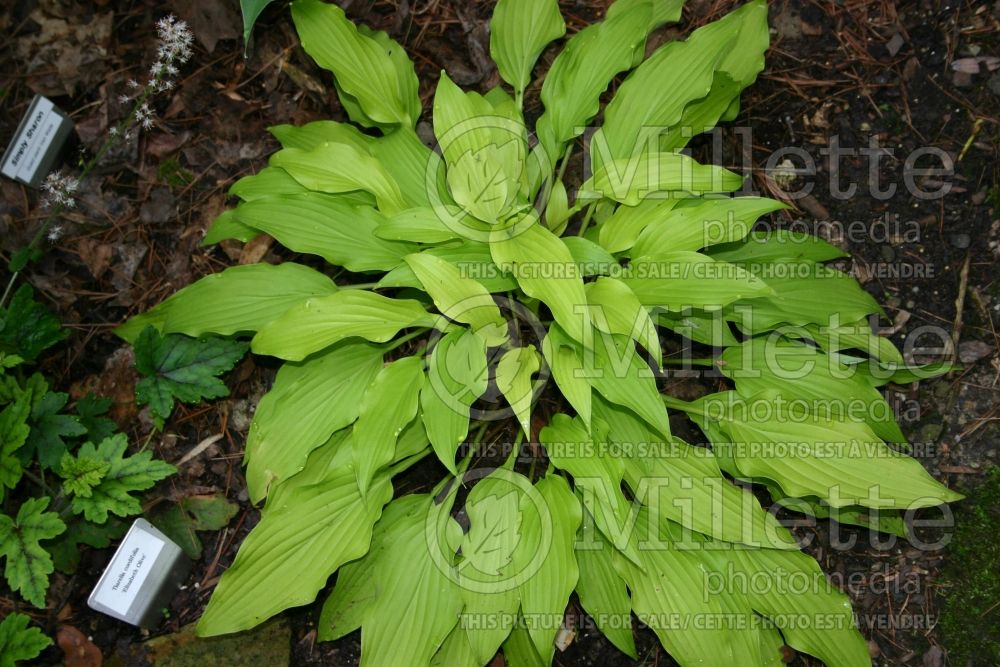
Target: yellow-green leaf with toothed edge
[(238, 299), (28, 563), (544, 269), (459, 298), (370, 68), (519, 32), (320, 322), (839, 461), (513, 376), (457, 375), (308, 401), (387, 406)]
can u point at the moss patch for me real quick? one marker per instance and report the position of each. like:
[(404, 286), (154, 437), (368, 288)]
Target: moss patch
[(970, 609)]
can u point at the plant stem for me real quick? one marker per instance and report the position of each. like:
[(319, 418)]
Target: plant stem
[(586, 218), (693, 362), (406, 339), (512, 459), (683, 406)]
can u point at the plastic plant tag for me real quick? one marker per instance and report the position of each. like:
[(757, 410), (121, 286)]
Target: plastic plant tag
[(141, 578), (36, 144)]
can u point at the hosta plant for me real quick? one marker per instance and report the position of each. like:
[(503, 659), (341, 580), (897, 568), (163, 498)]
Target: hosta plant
[(480, 292)]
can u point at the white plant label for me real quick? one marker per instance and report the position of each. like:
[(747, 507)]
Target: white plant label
[(129, 569), (33, 143)]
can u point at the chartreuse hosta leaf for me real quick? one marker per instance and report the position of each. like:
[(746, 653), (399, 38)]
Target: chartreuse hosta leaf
[(389, 404), (337, 168), (312, 524), (615, 309), (403, 575), (568, 372), (485, 149), (374, 76), (459, 298), (699, 223), (674, 480), (418, 225), (597, 478), (485, 257), (807, 454), (654, 97), (682, 279), (804, 293), (670, 594), (544, 269), (308, 402), (818, 381), (519, 31), (317, 323), (471, 257), (603, 593), (854, 336), (615, 370), (400, 154), (457, 374), (496, 509), (339, 231), (239, 299), (763, 248), (514, 373), (736, 70), (650, 175), (582, 71), (545, 593)]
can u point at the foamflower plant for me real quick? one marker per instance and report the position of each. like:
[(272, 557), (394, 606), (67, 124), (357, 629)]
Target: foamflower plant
[(475, 292)]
